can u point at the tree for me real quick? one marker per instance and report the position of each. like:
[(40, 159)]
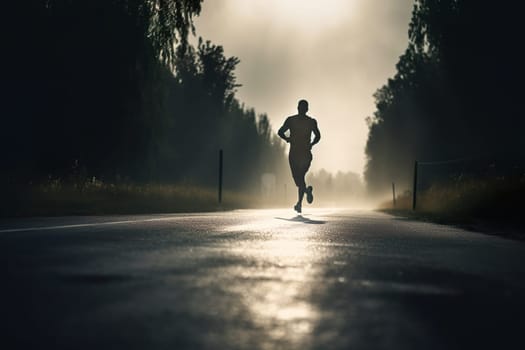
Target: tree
[(81, 82), (455, 93), (121, 94)]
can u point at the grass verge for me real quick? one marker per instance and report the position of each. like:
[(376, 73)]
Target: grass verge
[(97, 198), (493, 206)]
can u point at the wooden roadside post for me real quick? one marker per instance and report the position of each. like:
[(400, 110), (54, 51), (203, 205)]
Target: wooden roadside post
[(220, 176), (394, 194), (414, 190)]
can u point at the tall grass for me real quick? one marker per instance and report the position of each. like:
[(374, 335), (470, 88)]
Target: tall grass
[(499, 200), (96, 197)]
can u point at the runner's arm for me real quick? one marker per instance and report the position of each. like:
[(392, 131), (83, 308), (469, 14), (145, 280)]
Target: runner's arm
[(317, 134), (283, 130)]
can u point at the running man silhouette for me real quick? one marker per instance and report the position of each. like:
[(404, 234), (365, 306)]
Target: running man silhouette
[(301, 128)]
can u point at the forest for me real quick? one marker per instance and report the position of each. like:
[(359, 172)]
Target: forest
[(454, 103), (113, 90)]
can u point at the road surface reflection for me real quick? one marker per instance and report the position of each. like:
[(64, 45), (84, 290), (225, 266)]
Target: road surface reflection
[(286, 264)]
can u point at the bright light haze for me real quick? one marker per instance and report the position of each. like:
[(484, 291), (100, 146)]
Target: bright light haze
[(333, 53)]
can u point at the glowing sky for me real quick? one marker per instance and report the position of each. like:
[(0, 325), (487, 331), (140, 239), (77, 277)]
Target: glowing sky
[(334, 53)]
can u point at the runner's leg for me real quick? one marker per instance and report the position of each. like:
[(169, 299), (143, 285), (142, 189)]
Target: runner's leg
[(299, 164)]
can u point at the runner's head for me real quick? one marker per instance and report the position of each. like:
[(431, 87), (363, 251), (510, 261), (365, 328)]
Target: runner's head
[(302, 106)]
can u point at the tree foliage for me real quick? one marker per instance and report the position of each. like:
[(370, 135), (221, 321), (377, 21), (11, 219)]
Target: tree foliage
[(455, 93), (113, 89)]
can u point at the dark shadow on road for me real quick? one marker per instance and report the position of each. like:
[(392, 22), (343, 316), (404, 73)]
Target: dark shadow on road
[(300, 218), (95, 278), (503, 229)]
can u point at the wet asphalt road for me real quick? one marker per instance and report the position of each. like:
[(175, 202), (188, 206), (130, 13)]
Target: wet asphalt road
[(261, 279)]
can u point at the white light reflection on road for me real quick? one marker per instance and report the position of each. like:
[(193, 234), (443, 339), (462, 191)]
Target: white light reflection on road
[(285, 271)]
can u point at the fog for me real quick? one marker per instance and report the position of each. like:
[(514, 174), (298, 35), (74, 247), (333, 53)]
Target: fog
[(334, 53)]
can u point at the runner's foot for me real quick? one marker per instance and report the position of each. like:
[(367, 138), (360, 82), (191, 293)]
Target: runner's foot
[(309, 194), (298, 208)]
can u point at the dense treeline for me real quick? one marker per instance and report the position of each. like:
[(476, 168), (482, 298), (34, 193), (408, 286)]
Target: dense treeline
[(456, 93), (113, 89)]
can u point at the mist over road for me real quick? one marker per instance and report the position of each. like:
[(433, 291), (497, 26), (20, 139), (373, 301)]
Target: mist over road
[(258, 279)]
